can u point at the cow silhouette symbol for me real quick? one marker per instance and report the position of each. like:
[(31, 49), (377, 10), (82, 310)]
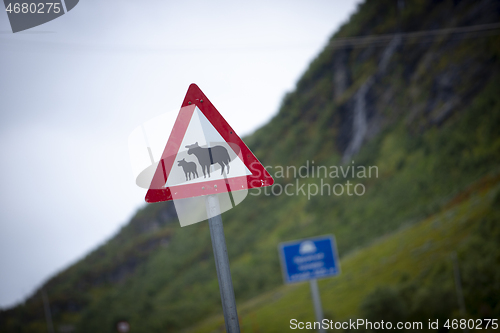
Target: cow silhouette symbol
[(208, 156), (189, 169)]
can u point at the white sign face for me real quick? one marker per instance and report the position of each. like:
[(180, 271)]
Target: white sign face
[(204, 155)]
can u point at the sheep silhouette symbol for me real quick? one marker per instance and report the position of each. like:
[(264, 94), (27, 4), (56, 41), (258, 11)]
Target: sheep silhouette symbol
[(189, 169), (208, 156)]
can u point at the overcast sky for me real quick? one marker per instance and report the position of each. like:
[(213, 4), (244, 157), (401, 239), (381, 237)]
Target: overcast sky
[(73, 89)]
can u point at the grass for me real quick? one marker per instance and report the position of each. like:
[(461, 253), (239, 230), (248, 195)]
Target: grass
[(401, 256)]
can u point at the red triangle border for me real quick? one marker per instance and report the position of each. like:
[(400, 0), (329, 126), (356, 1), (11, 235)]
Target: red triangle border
[(196, 98)]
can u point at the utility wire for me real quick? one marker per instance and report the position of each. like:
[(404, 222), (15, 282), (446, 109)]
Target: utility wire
[(336, 43), (488, 29)]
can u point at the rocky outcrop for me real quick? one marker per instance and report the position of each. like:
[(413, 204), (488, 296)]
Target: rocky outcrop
[(360, 122)]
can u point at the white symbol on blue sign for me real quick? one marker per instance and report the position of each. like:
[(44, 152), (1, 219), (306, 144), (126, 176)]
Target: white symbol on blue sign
[(309, 259), (307, 247)]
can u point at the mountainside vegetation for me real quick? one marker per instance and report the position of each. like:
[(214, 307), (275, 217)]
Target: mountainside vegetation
[(405, 276), (390, 141)]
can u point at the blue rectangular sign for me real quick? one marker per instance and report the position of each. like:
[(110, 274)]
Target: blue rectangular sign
[(308, 259)]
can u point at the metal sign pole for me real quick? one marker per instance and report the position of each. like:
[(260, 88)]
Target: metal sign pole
[(458, 287), (48, 315), (318, 309), (222, 264)]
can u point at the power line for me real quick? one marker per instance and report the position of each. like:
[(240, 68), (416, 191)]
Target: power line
[(360, 41), (336, 43)]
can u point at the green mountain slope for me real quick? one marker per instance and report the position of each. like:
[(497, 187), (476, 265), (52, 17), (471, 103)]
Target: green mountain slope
[(416, 118), (411, 265)]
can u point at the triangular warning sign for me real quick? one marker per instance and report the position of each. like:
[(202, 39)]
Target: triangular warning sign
[(204, 156)]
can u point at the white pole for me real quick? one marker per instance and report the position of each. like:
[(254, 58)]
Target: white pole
[(48, 315), (222, 265), (458, 287), (318, 309)]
